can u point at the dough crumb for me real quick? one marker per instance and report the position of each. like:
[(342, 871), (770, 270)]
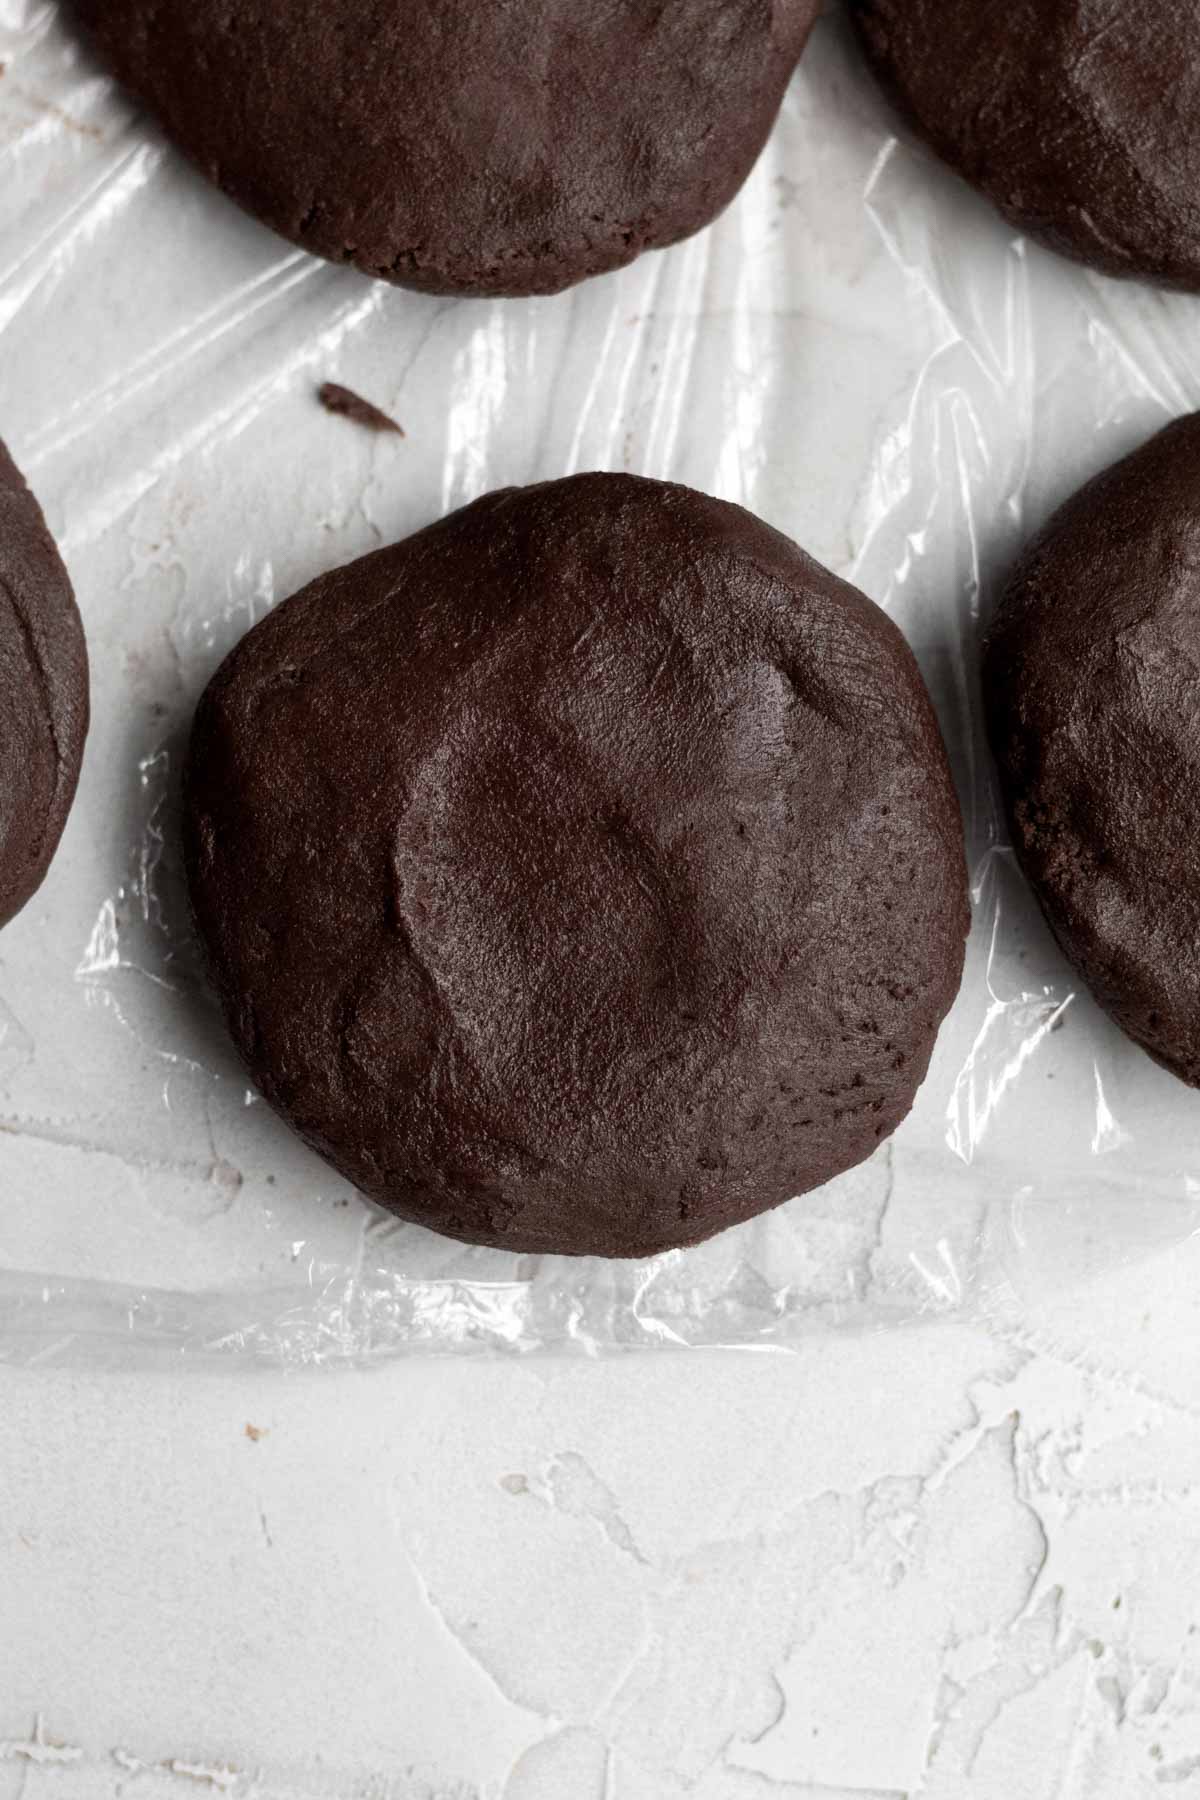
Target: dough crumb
[(349, 405)]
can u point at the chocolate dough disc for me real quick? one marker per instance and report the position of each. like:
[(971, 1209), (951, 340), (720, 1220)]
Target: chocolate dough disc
[(43, 693), (583, 874), (1080, 119), (1092, 684), (465, 146)]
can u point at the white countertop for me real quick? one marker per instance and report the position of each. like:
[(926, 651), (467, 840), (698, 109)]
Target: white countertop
[(940, 1562)]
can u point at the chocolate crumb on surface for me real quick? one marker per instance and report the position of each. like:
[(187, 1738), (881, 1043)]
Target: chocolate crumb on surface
[(349, 405)]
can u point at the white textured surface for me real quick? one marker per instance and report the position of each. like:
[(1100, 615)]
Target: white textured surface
[(940, 1563)]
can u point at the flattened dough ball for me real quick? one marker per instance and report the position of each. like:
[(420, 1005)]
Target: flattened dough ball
[(43, 693), (1080, 119), (1092, 686), (465, 146), (583, 874)]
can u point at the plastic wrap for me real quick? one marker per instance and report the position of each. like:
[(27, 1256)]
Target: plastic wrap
[(859, 351)]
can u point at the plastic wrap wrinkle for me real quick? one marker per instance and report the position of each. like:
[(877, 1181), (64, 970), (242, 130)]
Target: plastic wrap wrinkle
[(859, 351)]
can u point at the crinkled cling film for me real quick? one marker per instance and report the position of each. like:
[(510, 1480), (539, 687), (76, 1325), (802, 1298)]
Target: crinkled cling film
[(861, 352)]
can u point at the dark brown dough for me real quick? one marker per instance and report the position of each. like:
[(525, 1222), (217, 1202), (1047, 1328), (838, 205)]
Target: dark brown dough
[(43, 693), (583, 874), (1092, 683), (346, 404), (1080, 119), (465, 146)]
